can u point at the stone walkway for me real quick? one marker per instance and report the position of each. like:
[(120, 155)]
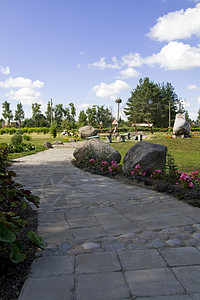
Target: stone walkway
[(106, 239)]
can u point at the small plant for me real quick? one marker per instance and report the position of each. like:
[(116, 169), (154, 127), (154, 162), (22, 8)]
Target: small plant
[(191, 180), (171, 169), (16, 140), (138, 172), (157, 174)]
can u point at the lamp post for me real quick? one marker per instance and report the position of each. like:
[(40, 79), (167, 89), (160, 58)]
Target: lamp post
[(118, 101)]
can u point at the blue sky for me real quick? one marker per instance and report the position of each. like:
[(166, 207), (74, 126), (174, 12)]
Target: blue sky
[(94, 51)]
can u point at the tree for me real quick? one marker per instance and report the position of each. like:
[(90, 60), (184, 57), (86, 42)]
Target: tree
[(19, 114), (49, 112), (7, 112), (35, 111), (98, 115), (198, 116), (149, 103), (82, 118), (59, 113)]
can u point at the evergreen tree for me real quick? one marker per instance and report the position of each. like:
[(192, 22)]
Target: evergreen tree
[(149, 103), (19, 114), (7, 112)]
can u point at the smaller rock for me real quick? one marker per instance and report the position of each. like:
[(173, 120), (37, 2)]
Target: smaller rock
[(65, 246), (90, 245), (196, 235), (57, 143), (156, 244), (72, 140), (47, 145), (193, 242), (175, 242)]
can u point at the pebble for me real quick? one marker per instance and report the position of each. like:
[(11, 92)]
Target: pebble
[(196, 235), (77, 251), (150, 234), (175, 242), (193, 242), (64, 246), (156, 244), (90, 245), (182, 236)]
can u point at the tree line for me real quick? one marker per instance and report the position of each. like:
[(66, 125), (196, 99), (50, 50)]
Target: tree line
[(149, 103)]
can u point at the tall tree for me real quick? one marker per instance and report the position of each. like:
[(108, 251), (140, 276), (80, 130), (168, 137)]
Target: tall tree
[(59, 113), (7, 112), (36, 110), (49, 112), (82, 118), (19, 114), (150, 103), (98, 115)]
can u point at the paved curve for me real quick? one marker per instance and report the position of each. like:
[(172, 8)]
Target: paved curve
[(106, 239)]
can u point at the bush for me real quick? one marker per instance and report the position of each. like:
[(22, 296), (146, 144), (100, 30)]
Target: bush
[(16, 140), (27, 137), (53, 130)]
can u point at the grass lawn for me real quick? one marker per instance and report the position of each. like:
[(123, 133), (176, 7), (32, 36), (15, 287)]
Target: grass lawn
[(186, 152)]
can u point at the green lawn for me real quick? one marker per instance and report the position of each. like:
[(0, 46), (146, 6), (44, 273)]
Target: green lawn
[(186, 152)]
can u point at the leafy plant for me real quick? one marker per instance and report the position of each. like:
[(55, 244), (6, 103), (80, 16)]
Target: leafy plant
[(53, 130), (138, 172), (171, 169), (16, 140), (26, 137), (13, 200)]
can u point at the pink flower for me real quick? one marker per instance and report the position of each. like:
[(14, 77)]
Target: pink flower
[(132, 173), (137, 167), (191, 185), (144, 174), (92, 160)]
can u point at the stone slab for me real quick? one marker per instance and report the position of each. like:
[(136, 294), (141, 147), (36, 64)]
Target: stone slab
[(181, 256), (94, 263), (101, 286), (141, 259), (87, 233), (111, 219), (52, 265), (171, 297), (153, 282), (189, 277), (51, 288), (83, 222)]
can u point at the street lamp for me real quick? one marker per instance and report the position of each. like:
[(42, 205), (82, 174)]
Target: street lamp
[(118, 101)]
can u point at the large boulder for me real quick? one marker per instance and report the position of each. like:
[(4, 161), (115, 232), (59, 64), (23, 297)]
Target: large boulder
[(87, 131), (149, 156), (181, 125), (97, 149)]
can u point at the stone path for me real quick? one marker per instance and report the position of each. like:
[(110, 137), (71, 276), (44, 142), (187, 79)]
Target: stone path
[(106, 239)]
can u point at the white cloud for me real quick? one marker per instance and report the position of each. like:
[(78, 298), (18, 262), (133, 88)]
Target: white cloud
[(177, 25), (192, 87), (5, 71), (101, 64), (185, 103), (176, 55), (129, 72), (132, 60), (20, 82), (25, 95), (22, 89), (83, 105), (104, 90)]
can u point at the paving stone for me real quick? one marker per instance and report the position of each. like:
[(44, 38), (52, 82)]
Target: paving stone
[(51, 288), (141, 259), (153, 282), (88, 233), (189, 277), (181, 256), (101, 286), (171, 297), (114, 246), (151, 224), (121, 228), (83, 222), (52, 265), (178, 220), (94, 263), (175, 242), (111, 219), (90, 245), (195, 296)]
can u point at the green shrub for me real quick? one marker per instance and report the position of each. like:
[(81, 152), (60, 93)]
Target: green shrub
[(53, 129), (26, 137), (16, 140)]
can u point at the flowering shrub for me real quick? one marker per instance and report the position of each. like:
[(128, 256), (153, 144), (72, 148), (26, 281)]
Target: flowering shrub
[(138, 171), (189, 181), (104, 167), (157, 174)]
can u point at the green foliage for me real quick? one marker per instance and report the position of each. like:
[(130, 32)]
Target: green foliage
[(53, 129), (19, 114), (26, 137), (99, 116), (14, 199), (7, 112), (16, 140), (149, 103), (171, 168), (23, 147)]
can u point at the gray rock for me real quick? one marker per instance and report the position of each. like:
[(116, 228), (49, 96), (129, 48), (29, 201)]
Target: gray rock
[(97, 149), (90, 245), (181, 125), (148, 155), (175, 242), (57, 143), (87, 131), (47, 145), (72, 140)]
